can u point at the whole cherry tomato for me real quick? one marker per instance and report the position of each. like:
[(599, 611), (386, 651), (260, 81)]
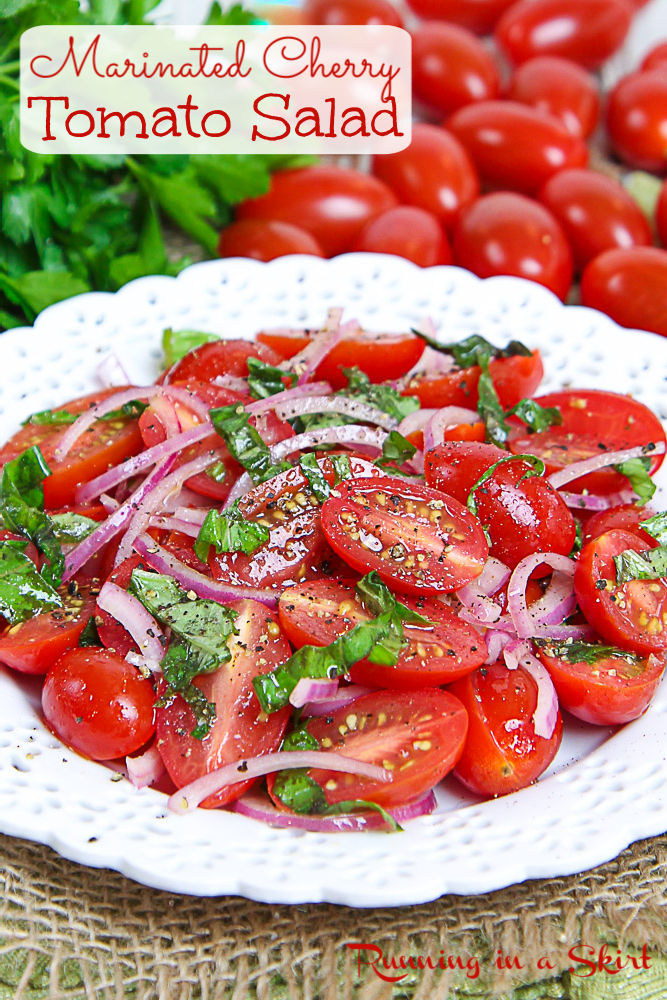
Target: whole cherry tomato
[(629, 285), (656, 58), (351, 12), (265, 240), (596, 213), (586, 31), (479, 16), (332, 203), (561, 88), (661, 214), (637, 120), (514, 146), (407, 232), (435, 172), (506, 233), (451, 67)]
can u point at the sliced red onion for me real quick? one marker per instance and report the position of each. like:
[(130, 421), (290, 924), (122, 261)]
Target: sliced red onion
[(165, 562), (119, 399), (306, 361), (188, 498), (557, 602), (152, 501), (313, 689), (344, 696), (495, 644), (578, 469), (189, 797), (174, 524), (145, 769), (448, 416), (415, 421), (586, 501), (232, 382), (288, 396), (430, 362), (242, 486), (135, 619), (145, 664), (109, 504), (476, 596), (115, 522), (258, 806), (158, 452), (345, 405), (165, 411), (346, 434), (494, 576), (196, 515), (545, 716), (110, 371)]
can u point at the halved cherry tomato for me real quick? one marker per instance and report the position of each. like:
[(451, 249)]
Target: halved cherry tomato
[(240, 729), (637, 120), (626, 515), (507, 233), (632, 615), (451, 67), (476, 15), (595, 212), (381, 356), (594, 421), (502, 752), (629, 285), (408, 232), (523, 513), (98, 704), (610, 691), (150, 425), (418, 735), (351, 12), (219, 357), (561, 88), (266, 239), (586, 31), (417, 539), (317, 612), (656, 58), (514, 378), (514, 146), (331, 203), (435, 172)]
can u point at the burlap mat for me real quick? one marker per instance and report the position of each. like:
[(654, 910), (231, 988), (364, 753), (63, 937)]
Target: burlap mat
[(72, 932)]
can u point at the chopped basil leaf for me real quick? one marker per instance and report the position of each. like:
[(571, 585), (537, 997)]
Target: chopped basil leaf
[(217, 472), (584, 652), (363, 804), (395, 449), (315, 477), (384, 397), (376, 597), (203, 628), (177, 343), (636, 471), (57, 418), (578, 540), (71, 527), (314, 421), (89, 636), (489, 408), (536, 418), (265, 380), (467, 353), (244, 442), (229, 531), (656, 526), (300, 739), (649, 565), (536, 470), (342, 468), (22, 508), (24, 592)]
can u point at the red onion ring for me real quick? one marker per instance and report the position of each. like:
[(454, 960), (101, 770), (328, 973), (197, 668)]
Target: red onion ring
[(344, 696), (578, 469), (135, 619), (545, 716), (174, 524), (448, 416), (415, 421), (189, 797), (495, 644), (287, 396), (258, 806), (165, 412), (309, 689), (585, 501), (556, 604), (346, 434), (145, 769), (195, 515), (346, 405), (233, 382)]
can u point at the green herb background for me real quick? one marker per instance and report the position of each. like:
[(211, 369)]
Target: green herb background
[(69, 224)]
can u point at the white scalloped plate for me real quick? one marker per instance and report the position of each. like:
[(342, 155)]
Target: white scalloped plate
[(603, 791)]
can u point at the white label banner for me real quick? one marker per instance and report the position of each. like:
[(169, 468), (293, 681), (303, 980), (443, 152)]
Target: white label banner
[(193, 89)]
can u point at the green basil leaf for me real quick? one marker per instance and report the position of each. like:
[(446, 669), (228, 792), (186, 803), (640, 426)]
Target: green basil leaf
[(636, 471), (575, 651), (656, 526), (467, 353), (536, 418), (342, 468), (217, 472), (22, 509), (384, 397), (315, 477), (89, 637), (489, 408), (299, 792), (178, 670), (377, 598), (57, 418), (24, 592), (265, 380), (177, 343), (229, 531), (352, 805), (71, 527), (649, 565), (244, 442), (395, 449)]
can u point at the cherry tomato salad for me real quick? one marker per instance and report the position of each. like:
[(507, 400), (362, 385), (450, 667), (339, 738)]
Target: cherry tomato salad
[(307, 577)]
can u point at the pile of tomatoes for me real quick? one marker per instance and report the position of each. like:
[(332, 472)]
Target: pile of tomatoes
[(496, 179)]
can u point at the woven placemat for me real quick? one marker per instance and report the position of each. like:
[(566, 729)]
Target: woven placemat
[(72, 932)]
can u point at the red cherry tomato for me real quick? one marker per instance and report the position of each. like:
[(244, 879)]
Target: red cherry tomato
[(316, 613), (593, 421), (240, 729), (637, 120), (351, 12), (451, 67), (418, 735), (586, 31), (266, 240), (220, 357), (595, 212), (514, 146), (632, 615), (150, 425), (629, 285), (656, 58), (333, 204), (523, 513), (407, 232), (435, 172), (479, 16), (610, 691), (502, 752), (514, 378), (506, 233), (98, 704), (661, 214), (627, 516), (561, 88), (417, 539), (34, 646)]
